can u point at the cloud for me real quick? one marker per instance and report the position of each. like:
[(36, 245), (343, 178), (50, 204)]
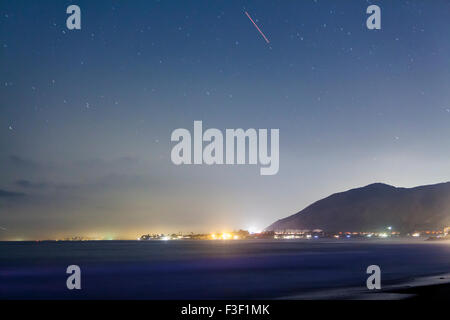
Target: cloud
[(95, 163), (116, 181), (22, 162), (27, 184), (10, 194)]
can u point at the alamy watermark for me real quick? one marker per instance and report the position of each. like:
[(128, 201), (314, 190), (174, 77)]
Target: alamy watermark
[(236, 142), (374, 20), (374, 280), (74, 280)]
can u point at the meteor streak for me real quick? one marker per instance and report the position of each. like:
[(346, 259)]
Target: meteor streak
[(265, 38)]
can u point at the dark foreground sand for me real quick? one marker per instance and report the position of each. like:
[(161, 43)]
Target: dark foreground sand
[(436, 287), (431, 292)]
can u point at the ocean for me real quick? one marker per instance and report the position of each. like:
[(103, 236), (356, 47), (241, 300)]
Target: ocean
[(181, 269)]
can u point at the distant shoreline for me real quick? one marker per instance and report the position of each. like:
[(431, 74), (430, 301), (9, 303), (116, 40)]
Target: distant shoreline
[(330, 239)]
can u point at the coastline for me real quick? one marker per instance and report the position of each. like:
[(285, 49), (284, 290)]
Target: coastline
[(435, 287), (428, 288)]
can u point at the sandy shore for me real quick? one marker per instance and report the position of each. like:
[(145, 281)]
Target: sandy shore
[(435, 287)]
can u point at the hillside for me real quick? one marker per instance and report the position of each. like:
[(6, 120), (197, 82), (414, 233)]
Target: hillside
[(374, 207)]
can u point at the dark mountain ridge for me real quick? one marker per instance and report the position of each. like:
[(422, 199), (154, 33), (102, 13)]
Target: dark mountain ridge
[(374, 207)]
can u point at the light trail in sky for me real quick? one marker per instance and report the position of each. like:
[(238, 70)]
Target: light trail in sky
[(264, 36)]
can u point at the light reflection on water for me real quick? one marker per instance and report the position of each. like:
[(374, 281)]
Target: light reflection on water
[(209, 269)]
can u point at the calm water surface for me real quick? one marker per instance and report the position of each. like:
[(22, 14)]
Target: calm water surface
[(209, 269)]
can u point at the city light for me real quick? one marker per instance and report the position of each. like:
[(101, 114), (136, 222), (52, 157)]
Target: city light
[(289, 234), (253, 230), (226, 236)]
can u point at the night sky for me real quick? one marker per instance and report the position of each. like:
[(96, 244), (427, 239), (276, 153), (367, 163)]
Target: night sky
[(86, 115)]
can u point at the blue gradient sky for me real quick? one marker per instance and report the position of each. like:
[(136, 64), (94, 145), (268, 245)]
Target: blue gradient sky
[(86, 116)]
